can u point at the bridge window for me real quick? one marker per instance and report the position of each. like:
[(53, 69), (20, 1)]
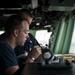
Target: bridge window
[(72, 46), (43, 36)]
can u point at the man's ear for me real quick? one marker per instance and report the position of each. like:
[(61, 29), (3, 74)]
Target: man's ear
[(15, 32)]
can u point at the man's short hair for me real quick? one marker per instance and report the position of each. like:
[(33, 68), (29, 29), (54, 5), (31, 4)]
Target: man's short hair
[(26, 12), (13, 21)]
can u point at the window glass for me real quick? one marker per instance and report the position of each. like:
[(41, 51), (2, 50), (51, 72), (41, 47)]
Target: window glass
[(72, 46), (43, 37)]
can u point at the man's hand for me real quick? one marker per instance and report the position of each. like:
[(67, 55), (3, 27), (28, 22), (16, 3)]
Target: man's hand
[(35, 52)]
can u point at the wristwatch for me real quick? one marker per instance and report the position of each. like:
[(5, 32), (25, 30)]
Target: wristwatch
[(31, 58)]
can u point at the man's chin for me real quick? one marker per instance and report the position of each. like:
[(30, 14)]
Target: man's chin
[(25, 41), (23, 44)]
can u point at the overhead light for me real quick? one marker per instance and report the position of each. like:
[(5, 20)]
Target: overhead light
[(37, 24), (47, 26), (10, 8), (7, 15)]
